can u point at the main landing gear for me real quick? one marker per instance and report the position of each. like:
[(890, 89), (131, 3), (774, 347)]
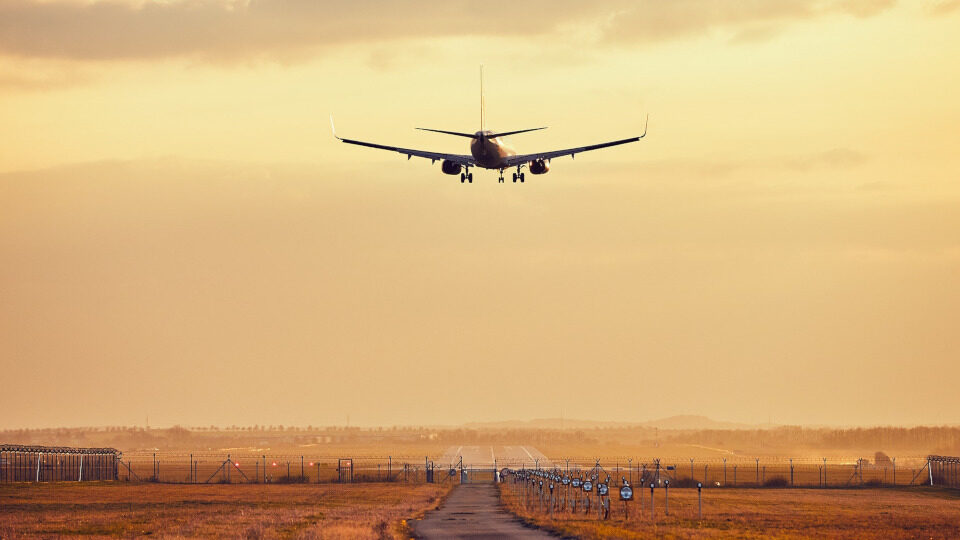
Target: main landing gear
[(518, 175), (468, 177)]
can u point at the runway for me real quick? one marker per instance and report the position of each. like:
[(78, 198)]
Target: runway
[(502, 456)]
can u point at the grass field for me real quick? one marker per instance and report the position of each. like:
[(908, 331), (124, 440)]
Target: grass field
[(229, 511), (766, 513)]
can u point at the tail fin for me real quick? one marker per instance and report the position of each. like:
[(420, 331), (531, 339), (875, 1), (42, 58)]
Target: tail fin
[(482, 107)]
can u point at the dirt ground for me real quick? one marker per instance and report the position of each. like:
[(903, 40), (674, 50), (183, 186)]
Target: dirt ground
[(119, 509), (764, 513)]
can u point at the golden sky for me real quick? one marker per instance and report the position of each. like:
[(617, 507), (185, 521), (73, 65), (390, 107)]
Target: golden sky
[(181, 237)]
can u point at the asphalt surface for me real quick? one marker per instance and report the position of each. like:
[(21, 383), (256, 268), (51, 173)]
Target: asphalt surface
[(473, 511), (504, 456)]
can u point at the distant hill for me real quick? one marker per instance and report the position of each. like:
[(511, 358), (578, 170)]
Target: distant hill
[(692, 421), (679, 422)]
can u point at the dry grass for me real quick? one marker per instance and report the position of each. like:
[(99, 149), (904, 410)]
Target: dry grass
[(232, 511), (768, 513)]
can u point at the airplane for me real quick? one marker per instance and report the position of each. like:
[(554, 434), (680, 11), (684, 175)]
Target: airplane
[(488, 150)]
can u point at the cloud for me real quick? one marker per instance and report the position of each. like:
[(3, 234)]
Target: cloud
[(747, 20), (837, 158), (945, 7), (827, 160), (235, 29), (40, 75), (231, 29)]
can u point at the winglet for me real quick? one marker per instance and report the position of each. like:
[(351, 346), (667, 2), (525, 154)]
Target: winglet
[(647, 121), (334, 129)]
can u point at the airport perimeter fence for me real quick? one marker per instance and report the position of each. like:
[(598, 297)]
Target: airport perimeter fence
[(273, 468), (24, 463), (31, 464), (758, 472)]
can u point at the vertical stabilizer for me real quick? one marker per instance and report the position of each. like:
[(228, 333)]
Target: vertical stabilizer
[(481, 99)]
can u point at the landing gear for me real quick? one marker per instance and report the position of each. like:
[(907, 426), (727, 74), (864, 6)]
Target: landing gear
[(466, 177), (470, 177), (518, 175), (462, 177)]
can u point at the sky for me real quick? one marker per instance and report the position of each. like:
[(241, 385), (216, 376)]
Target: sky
[(181, 238)]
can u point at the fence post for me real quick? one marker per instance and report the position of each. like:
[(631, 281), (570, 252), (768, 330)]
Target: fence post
[(791, 472), (758, 471), (894, 471)]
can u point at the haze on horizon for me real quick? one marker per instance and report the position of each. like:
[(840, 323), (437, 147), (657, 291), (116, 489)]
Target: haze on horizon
[(181, 237)]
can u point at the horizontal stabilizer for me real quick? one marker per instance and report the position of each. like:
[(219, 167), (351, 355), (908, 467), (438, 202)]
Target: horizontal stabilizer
[(457, 133), (505, 133)]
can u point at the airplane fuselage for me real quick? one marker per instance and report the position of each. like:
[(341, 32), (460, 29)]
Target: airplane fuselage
[(490, 153)]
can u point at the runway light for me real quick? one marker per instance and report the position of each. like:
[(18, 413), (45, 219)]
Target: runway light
[(311, 464), (237, 464), (274, 463)]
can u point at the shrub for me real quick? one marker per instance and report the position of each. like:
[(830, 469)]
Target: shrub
[(291, 480), (684, 483), (776, 482)]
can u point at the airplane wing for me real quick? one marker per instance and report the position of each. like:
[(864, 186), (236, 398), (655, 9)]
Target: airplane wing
[(463, 160), (513, 161)]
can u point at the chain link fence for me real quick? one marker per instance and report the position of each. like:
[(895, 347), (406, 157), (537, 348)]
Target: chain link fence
[(31, 464)]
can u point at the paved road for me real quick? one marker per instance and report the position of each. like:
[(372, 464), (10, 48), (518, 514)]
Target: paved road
[(473, 511), (504, 456)]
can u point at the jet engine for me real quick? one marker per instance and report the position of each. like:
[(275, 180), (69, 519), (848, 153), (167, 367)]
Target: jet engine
[(450, 167), (539, 166)]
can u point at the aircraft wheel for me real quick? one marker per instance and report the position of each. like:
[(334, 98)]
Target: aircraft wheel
[(514, 177), (521, 177), (470, 176)]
